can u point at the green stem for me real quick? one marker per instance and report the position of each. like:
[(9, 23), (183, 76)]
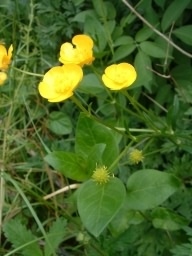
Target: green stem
[(120, 155), (97, 119), (27, 73)]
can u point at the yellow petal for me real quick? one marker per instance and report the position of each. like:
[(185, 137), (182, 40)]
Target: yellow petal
[(119, 76), (3, 50), (5, 57), (83, 41), (10, 50), (3, 77), (47, 90), (59, 82), (68, 54), (80, 52), (113, 85), (61, 97)]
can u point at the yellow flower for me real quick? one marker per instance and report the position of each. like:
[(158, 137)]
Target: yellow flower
[(5, 57), (3, 77), (81, 54), (119, 76), (136, 156), (59, 82), (101, 175)]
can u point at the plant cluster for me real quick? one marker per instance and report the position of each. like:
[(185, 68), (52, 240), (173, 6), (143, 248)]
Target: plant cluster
[(96, 139)]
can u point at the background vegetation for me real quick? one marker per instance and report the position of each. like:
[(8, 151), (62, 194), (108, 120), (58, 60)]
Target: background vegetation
[(155, 117)]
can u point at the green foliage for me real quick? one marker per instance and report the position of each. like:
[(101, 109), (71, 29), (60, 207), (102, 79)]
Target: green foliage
[(186, 248), (90, 133), (147, 189), (68, 163), (20, 237), (23, 240), (49, 149), (173, 12), (98, 203), (184, 34), (165, 219), (59, 123)]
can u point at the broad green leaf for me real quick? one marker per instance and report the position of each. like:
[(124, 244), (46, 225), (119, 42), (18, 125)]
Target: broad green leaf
[(90, 133), (56, 235), (91, 85), (160, 3), (173, 12), (59, 123), (184, 34), (19, 236), (104, 9), (165, 219), (153, 49), (98, 204), (143, 34), (123, 40), (149, 188), (94, 28), (124, 218), (69, 164), (81, 16), (95, 156), (123, 51), (142, 65), (181, 71)]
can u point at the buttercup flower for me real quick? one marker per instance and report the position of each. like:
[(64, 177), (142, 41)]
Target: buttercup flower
[(59, 82), (136, 156), (101, 175), (119, 76), (5, 57), (3, 77), (81, 54)]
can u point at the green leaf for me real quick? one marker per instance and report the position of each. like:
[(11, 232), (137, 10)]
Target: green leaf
[(19, 236), (123, 51), (98, 204), (69, 164), (123, 40), (95, 156), (149, 188), (153, 49), (184, 89), (81, 16), (90, 133), (160, 3), (143, 34), (165, 219), (124, 218), (56, 235), (94, 28), (104, 9), (184, 34), (91, 85), (173, 112), (59, 123), (173, 12), (142, 65)]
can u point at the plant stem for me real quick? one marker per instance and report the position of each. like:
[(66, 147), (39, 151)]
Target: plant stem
[(97, 119)]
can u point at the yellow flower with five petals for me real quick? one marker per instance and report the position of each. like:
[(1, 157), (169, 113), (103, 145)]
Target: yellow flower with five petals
[(81, 54), (59, 82), (5, 57), (119, 76)]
